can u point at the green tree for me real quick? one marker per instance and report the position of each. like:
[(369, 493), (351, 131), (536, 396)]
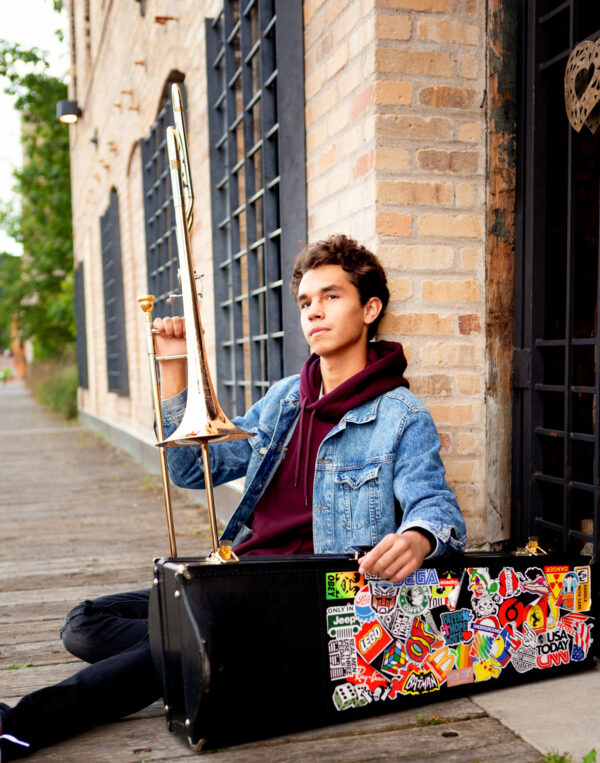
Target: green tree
[(38, 286)]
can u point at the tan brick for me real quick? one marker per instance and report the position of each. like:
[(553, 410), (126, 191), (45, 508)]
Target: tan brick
[(392, 93), (338, 178), (445, 97), (469, 324), (364, 164), (449, 226), (308, 10), (430, 6), (428, 62), (413, 192), (468, 67), (470, 7), (394, 27), (465, 194), (315, 137), (338, 119), (470, 501), (446, 30), (337, 61), (427, 324), (316, 191), (461, 470), (469, 384), (400, 289), (449, 354), (470, 258), (311, 170), (457, 162), (327, 158), (450, 291), (313, 82), (363, 100), (469, 132), (431, 385), (413, 127), (351, 77), (344, 23), (392, 158), (454, 414), (392, 224), (467, 444), (416, 257)]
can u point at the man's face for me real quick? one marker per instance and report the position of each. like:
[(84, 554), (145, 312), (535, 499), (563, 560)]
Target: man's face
[(333, 320)]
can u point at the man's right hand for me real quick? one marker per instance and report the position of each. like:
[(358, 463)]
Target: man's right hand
[(169, 339)]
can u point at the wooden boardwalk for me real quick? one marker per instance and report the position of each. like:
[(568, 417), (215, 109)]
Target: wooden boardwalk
[(80, 518)]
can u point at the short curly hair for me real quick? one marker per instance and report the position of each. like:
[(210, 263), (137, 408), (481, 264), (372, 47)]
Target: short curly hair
[(363, 268)]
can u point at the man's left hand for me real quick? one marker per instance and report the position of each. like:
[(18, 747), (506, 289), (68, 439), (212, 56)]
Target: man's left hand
[(396, 556)]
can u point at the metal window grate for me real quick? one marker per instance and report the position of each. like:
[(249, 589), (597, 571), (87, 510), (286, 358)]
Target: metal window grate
[(255, 72), (557, 415), (161, 245), (80, 323), (114, 309)]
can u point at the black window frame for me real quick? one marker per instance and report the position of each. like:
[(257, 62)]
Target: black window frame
[(117, 366), (255, 72)]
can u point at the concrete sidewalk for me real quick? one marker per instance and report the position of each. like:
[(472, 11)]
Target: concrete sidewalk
[(79, 518)]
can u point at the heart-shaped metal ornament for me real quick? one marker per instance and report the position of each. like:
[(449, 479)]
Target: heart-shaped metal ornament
[(582, 86)]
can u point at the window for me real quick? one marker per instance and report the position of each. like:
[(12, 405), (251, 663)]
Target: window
[(161, 245), (114, 309), (81, 337), (258, 191)]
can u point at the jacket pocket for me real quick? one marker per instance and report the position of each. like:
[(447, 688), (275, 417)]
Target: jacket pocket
[(360, 496)]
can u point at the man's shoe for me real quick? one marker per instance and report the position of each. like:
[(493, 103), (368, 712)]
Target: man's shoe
[(10, 746)]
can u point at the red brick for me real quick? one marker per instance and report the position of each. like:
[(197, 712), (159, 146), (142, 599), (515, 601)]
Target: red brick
[(364, 164), (392, 224), (444, 97), (469, 324), (362, 101)]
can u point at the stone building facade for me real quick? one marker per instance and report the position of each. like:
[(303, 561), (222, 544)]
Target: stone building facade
[(404, 149)]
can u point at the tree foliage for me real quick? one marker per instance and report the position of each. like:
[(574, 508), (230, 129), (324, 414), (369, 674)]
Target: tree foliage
[(38, 286)]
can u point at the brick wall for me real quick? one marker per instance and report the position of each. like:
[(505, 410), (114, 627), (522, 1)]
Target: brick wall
[(396, 156)]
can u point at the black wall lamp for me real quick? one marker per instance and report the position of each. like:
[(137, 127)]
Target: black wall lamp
[(67, 112)]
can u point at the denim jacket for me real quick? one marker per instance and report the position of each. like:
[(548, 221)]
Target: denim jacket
[(378, 471)]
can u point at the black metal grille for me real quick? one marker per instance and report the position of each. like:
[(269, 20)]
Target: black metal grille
[(80, 323), (161, 245), (114, 310), (255, 73), (557, 416)]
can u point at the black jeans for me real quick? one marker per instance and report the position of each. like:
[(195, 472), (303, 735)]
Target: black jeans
[(112, 633)]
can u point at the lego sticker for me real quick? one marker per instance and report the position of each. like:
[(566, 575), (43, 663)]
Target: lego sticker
[(371, 639)]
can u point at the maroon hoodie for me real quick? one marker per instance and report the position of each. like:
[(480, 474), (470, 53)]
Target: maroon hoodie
[(282, 520)]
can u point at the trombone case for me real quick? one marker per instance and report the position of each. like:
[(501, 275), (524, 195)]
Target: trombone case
[(272, 645)]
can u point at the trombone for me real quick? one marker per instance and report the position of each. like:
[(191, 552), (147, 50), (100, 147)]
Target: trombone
[(203, 421)]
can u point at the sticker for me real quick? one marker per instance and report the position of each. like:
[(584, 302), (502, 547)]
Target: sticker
[(394, 658), (537, 616), (342, 658), (456, 626), (508, 583), (583, 597), (383, 597), (525, 658), (480, 581), (362, 605), (554, 576), (397, 624), (570, 585), (371, 640), (418, 645), (426, 577), (342, 585), (553, 648), (460, 676), (440, 662), (581, 641), (413, 600), (534, 581), (486, 669), (347, 695), (342, 622), (416, 681)]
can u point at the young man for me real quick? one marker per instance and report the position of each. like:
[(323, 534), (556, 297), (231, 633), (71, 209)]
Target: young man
[(343, 456)]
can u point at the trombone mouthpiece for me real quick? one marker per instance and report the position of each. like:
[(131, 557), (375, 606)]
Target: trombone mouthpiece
[(146, 303)]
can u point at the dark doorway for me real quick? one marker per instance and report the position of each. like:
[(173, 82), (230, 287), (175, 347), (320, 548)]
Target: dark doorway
[(556, 368)]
